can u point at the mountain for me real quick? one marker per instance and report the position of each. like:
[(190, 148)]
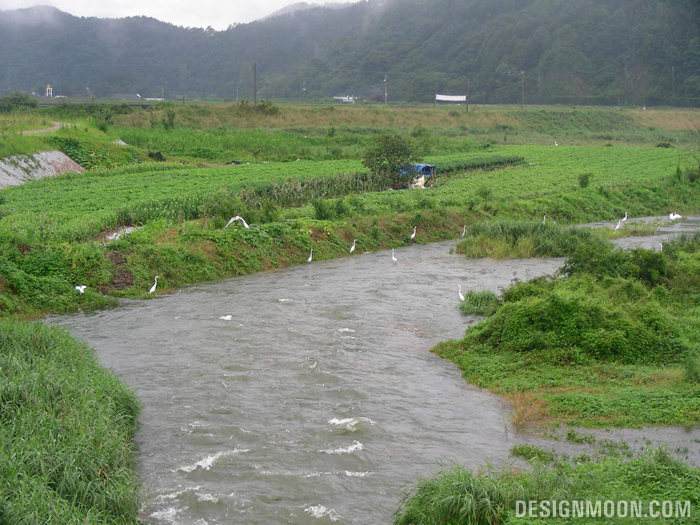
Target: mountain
[(501, 50)]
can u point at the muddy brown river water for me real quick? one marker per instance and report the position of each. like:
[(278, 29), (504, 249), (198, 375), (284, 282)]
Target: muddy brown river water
[(318, 399)]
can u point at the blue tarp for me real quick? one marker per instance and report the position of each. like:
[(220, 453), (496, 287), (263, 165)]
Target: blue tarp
[(424, 169)]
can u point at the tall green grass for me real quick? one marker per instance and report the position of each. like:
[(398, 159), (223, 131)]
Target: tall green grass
[(460, 497), (66, 430), (517, 239)]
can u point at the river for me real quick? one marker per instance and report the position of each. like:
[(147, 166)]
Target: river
[(317, 400)]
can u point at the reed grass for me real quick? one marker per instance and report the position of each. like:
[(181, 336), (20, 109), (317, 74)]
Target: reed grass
[(479, 303), (511, 239), (488, 497), (67, 454)]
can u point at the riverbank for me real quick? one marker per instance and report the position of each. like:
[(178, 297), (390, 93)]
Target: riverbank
[(66, 438), (628, 319)]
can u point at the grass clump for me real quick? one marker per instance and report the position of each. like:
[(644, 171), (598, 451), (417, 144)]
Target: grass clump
[(531, 452), (479, 303), (519, 239), (460, 497), (66, 458)]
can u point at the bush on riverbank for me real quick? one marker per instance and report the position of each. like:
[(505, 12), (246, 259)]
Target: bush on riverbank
[(520, 239), (66, 430), (612, 343), (459, 497)]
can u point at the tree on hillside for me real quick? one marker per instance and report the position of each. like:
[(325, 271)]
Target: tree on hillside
[(391, 156)]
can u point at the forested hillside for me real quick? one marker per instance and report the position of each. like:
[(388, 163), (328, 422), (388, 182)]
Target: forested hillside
[(542, 51)]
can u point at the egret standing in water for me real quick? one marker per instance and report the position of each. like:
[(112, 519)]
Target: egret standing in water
[(81, 288), (237, 218), (624, 218), (413, 235), (675, 216), (153, 288), (352, 248), (393, 258), (311, 256), (461, 295), (619, 223)]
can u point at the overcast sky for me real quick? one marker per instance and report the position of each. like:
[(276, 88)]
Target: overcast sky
[(198, 13)]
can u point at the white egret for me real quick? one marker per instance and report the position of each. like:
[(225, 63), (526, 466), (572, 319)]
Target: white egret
[(624, 218), (393, 257), (226, 317), (352, 248), (311, 256), (237, 218), (675, 216), (555, 143), (544, 219), (464, 231), (661, 246), (153, 288), (81, 288), (413, 235), (619, 223), (461, 295)]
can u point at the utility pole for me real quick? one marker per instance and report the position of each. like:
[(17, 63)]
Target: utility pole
[(385, 97), (267, 99), (467, 94), (673, 81), (522, 89), (618, 99), (255, 83)]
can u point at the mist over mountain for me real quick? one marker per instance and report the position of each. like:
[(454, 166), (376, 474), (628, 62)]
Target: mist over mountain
[(499, 50)]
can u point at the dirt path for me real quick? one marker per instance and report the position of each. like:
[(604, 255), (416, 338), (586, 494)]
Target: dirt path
[(56, 126)]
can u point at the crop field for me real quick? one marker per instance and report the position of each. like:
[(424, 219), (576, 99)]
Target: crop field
[(546, 171), (74, 207)]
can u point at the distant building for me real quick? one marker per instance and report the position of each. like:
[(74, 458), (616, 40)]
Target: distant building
[(346, 99)]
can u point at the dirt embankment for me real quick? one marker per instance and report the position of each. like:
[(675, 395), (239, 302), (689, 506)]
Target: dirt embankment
[(24, 168)]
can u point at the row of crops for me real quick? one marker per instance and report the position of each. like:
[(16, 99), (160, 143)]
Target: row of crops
[(80, 207)]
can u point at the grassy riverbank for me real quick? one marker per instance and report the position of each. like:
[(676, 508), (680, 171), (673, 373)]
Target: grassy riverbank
[(613, 342), (66, 450), (489, 496)]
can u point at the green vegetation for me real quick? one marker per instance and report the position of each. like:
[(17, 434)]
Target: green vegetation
[(66, 432), (479, 303), (489, 497), (524, 239), (392, 157), (613, 343), (530, 452)]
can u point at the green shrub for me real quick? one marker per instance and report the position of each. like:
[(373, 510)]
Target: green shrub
[(479, 303)]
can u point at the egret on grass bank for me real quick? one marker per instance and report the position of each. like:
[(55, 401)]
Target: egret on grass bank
[(311, 256), (413, 235), (81, 288), (153, 288), (352, 248), (237, 218)]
